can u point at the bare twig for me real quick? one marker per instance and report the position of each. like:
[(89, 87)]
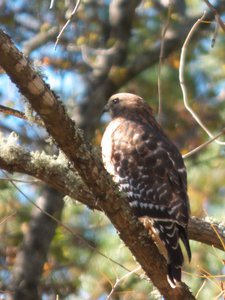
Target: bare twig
[(219, 22), (222, 293), (200, 289), (161, 55), (16, 113), (52, 4), (8, 217), (118, 281), (217, 16), (215, 35), (68, 21), (13, 112), (218, 235), (203, 145), (209, 276), (182, 81), (34, 181)]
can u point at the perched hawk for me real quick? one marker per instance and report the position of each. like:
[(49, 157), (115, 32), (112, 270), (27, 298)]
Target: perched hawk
[(150, 170)]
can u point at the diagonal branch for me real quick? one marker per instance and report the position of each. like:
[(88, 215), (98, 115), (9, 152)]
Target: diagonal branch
[(182, 80), (53, 171), (89, 166), (39, 40), (68, 22), (57, 173), (32, 255), (16, 113), (150, 57), (217, 16)]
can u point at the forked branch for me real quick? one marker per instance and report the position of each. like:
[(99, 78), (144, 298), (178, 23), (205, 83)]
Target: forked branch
[(88, 166)]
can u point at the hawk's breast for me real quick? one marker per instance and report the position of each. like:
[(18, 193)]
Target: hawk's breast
[(107, 145)]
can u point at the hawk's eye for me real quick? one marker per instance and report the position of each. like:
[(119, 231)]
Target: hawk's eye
[(115, 100)]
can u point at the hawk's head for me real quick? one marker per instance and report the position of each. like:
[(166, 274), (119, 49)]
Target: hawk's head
[(122, 104)]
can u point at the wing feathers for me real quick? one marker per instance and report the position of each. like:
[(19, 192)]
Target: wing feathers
[(150, 169)]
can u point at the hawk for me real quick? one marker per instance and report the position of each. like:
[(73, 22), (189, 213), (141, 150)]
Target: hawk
[(149, 168)]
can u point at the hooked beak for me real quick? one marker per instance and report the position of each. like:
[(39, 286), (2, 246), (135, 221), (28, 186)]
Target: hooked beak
[(105, 109)]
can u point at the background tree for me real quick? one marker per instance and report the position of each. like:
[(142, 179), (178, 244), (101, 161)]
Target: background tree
[(108, 46)]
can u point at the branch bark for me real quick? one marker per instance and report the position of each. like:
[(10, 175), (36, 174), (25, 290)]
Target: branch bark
[(53, 171), (98, 194), (58, 174), (89, 166), (76, 188), (210, 233)]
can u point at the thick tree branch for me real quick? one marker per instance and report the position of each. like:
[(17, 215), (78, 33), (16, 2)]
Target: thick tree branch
[(121, 18), (53, 171), (89, 166), (46, 104), (57, 173), (210, 233)]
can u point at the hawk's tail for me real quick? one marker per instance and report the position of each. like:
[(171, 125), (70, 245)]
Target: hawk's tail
[(169, 233)]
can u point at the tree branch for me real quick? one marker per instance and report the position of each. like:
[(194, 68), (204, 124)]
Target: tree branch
[(33, 253), (108, 82), (217, 16), (58, 174), (89, 166), (151, 56), (68, 21), (54, 172), (39, 40), (16, 113), (207, 232)]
